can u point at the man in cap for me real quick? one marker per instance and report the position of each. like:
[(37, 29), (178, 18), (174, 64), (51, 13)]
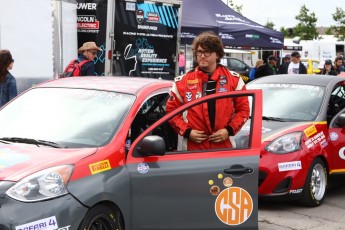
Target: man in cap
[(295, 66), (267, 69), (88, 52)]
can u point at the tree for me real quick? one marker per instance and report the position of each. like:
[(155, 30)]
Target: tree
[(288, 32), (237, 8), (270, 24), (306, 28), (339, 29)]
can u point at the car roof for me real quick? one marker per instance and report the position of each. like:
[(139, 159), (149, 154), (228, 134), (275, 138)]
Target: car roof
[(131, 85), (307, 79)]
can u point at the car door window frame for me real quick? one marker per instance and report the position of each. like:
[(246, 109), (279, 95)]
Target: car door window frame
[(254, 124)]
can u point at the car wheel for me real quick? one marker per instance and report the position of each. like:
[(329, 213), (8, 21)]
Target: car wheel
[(101, 217), (314, 190)]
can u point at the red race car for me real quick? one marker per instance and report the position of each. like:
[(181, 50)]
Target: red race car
[(99, 153), (303, 135)]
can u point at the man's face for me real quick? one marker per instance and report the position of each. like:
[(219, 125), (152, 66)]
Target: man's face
[(207, 60), (338, 63), (296, 59), (91, 54)]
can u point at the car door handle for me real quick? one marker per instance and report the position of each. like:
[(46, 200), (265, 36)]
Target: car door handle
[(238, 170)]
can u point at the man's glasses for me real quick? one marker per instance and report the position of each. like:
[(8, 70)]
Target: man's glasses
[(205, 53), (93, 52)]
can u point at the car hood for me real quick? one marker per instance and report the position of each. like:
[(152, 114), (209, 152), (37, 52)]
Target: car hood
[(274, 129), (20, 160)]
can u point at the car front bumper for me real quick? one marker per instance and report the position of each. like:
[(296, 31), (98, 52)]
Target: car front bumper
[(61, 213)]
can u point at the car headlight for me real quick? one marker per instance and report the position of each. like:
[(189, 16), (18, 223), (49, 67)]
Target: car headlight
[(285, 144), (42, 185)]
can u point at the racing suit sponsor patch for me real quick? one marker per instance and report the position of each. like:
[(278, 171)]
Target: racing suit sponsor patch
[(221, 90), (198, 95), (222, 80), (189, 96)]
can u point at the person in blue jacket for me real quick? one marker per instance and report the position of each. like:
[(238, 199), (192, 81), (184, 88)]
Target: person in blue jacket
[(8, 85), (259, 63)]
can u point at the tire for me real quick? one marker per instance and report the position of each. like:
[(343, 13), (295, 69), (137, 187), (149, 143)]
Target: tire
[(315, 186), (101, 217)]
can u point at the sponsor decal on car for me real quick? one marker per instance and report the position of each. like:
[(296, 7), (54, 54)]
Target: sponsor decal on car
[(333, 136), (100, 166), (310, 130), (49, 223), (289, 166), (143, 168), (341, 153), (319, 138), (233, 205), (296, 191)]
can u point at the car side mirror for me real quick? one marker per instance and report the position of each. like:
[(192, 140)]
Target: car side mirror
[(151, 146), (340, 120)]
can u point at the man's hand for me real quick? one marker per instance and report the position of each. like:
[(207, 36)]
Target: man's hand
[(197, 136), (219, 136)]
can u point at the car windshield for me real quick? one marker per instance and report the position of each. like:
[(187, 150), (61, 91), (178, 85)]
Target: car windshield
[(290, 102), (71, 118)]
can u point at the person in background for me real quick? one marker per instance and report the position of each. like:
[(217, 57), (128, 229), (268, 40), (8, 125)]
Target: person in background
[(181, 63), (8, 85), (258, 63), (338, 65), (208, 125), (88, 52), (267, 69), (328, 68), (295, 66), (287, 58)]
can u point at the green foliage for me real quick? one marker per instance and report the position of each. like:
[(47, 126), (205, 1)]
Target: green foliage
[(306, 28), (237, 8), (329, 31), (270, 24), (339, 29), (288, 32)]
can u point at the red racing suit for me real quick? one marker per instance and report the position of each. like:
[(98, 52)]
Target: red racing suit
[(232, 112)]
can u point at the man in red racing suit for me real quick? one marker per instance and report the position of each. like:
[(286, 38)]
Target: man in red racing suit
[(208, 125)]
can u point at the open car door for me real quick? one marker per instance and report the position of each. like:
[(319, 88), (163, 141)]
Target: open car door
[(200, 189)]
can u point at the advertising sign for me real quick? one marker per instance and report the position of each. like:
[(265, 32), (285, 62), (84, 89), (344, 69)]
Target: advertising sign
[(145, 39)]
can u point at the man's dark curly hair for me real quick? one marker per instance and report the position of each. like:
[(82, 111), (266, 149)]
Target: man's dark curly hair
[(209, 41)]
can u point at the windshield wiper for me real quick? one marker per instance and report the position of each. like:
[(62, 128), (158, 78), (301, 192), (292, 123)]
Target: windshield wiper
[(32, 141), (265, 118)]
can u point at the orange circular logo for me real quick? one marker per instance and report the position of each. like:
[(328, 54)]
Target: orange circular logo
[(234, 206)]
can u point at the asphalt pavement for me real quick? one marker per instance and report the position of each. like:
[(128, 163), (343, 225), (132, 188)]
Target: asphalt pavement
[(290, 216)]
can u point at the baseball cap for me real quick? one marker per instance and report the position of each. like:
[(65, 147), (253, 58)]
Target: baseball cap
[(328, 62), (272, 57), (295, 54), (287, 56)]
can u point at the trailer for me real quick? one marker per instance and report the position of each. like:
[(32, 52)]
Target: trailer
[(41, 35), (138, 38), (326, 48)]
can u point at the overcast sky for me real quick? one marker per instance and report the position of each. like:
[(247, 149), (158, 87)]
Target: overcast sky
[(283, 13)]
